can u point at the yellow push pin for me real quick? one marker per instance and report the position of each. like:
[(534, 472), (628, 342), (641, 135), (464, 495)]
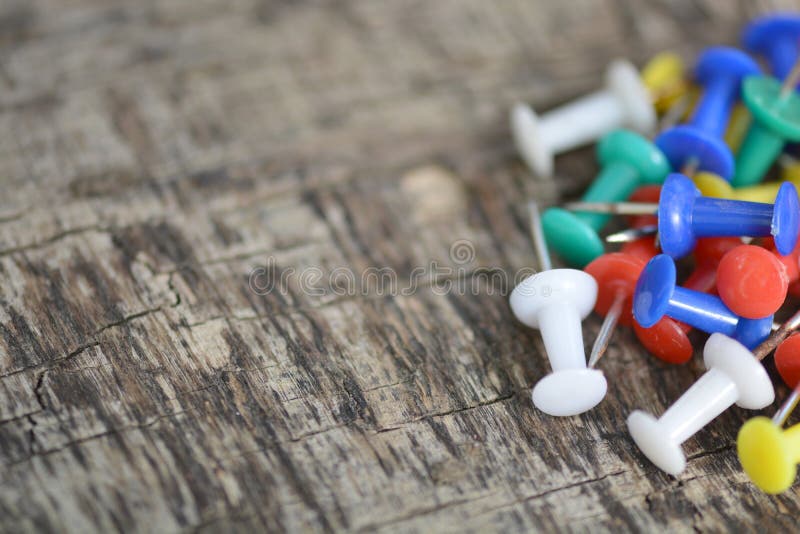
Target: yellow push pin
[(665, 79), (768, 454), (711, 185)]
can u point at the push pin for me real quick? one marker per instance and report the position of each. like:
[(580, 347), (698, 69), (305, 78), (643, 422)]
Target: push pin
[(657, 295), (733, 376), (668, 339), (665, 78), (556, 301), (775, 108), (699, 143), (624, 102), (768, 454), (752, 281), (616, 274), (684, 215), (628, 160), (711, 185), (776, 37)]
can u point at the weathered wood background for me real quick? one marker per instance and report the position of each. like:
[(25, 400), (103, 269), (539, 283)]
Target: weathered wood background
[(154, 154)]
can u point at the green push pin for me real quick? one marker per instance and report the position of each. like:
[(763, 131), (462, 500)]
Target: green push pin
[(628, 160), (776, 113)]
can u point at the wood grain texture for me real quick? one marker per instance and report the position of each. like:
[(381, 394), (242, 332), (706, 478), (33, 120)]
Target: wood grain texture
[(155, 154)]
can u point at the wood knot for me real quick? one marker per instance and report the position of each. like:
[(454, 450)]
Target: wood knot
[(434, 194)]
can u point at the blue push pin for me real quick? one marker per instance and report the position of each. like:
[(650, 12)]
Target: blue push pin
[(699, 143), (658, 295), (777, 37), (684, 215)]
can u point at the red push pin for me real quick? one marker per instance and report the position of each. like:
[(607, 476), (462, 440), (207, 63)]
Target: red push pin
[(616, 274), (668, 339), (752, 282), (787, 360)]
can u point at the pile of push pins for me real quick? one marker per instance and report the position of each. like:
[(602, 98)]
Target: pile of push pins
[(692, 190)]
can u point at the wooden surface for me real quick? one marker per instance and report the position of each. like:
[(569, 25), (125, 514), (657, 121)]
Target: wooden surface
[(156, 155)]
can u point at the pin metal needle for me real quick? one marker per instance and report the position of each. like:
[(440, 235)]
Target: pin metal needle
[(615, 208), (537, 234), (606, 329)]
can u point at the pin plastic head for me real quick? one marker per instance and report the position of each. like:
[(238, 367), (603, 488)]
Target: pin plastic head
[(667, 340), (751, 281), (537, 292), (635, 150), (786, 218), (734, 375), (655, 443), (555, 301), (675, 215), (616, 273), (623, 80), (777, 37), (766, 455), (780, 113), (569, 392), (720, 70), (624, 101), (787, 360), (721, 61), (738, 363), (665, 78), (529, 140), (653, 290), (572, 239), (682, 144), (776, 120)]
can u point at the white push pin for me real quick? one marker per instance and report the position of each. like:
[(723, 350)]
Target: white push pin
[(625, 102), (734, 376), (556, 301)]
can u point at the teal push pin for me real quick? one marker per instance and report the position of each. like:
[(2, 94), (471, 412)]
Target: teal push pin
[(628, 161), (776, 110)]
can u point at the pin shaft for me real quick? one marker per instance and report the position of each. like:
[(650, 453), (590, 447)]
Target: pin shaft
[(606, 330), (632, 234), (786, 408), (674, 113), (690, 167), (615, 208), (790, 82), (769, 344), (537, 234)]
